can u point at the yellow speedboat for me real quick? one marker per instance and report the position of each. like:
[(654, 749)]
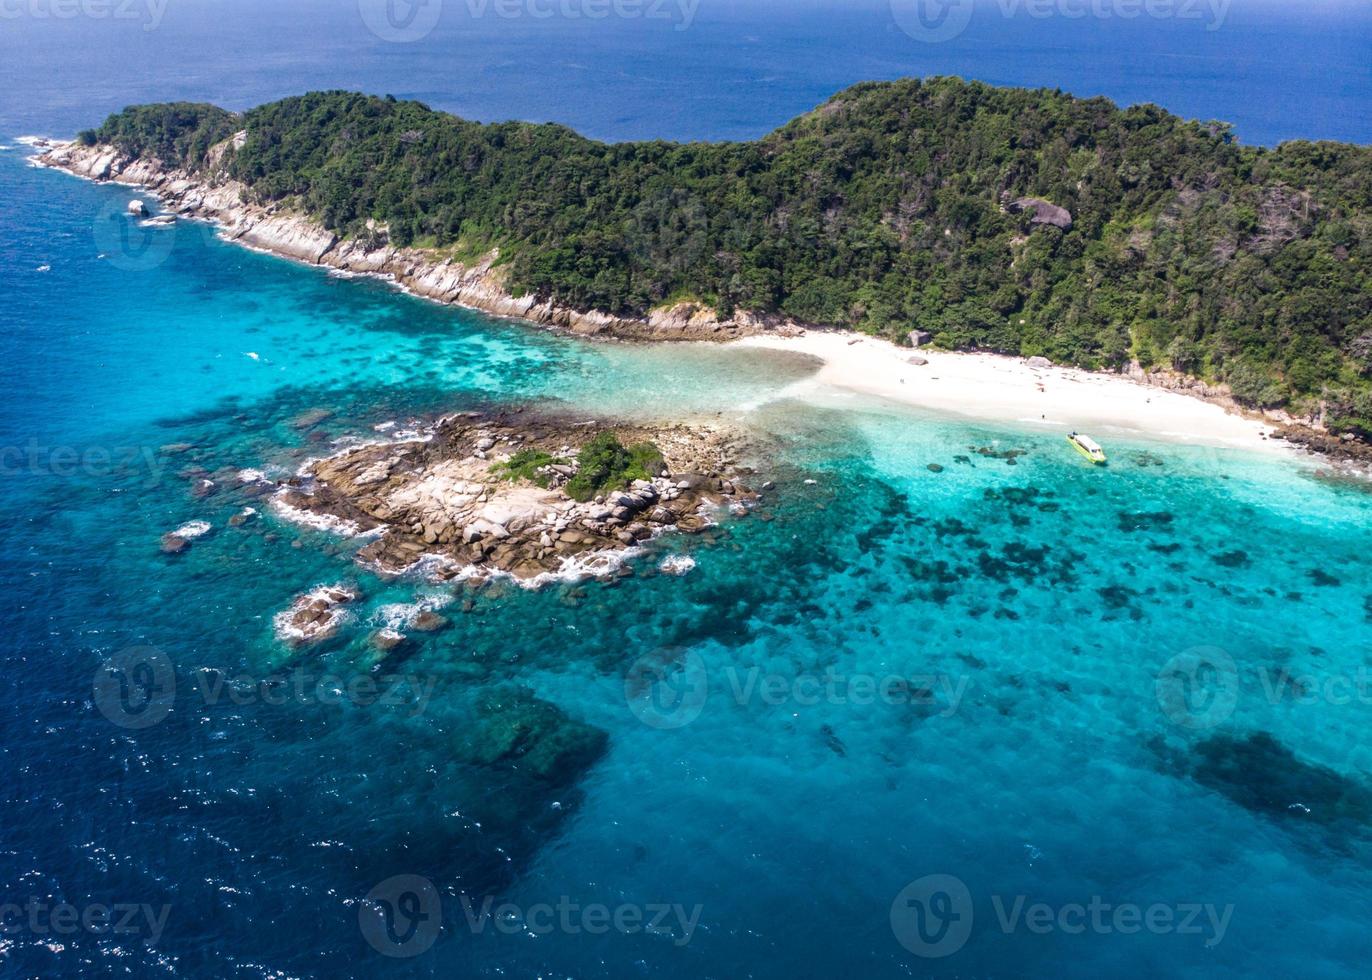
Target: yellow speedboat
[(1088, 447)]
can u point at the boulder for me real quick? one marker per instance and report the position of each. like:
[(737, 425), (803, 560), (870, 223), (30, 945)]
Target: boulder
[(138, 209), (387, 640), (428, 621), (918, 338), (1045, 212), (1039, 362), (314, 616), (174, 544), (311, 418), (917, 361)]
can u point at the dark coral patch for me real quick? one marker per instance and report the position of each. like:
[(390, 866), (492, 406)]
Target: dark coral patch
[(1264, 776), (1131, 521), (1232, 559)]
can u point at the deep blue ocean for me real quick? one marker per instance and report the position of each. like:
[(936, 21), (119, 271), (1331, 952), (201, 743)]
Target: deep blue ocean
[(1017, 717)]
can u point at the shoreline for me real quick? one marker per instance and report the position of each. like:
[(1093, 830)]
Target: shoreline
[(997, 388), (283, 233), (989, 387)]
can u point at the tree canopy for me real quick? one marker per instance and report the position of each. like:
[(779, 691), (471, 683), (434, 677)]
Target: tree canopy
[(883, 210)]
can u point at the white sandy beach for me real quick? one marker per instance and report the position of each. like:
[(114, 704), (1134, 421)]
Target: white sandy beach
[(1007, 389)]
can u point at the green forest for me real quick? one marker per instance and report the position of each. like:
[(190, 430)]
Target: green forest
[(887, 209)]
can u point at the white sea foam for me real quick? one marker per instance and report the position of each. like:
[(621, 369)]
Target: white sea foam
[(399, 615), (580, 567), (43, 268), (677, 564), (194, 529), (337, 614), (252, 355), (320, 522)]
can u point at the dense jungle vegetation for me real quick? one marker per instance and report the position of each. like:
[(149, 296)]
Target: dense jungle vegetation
[(883, 210)]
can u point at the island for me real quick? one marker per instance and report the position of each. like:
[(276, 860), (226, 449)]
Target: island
[(929, 211)]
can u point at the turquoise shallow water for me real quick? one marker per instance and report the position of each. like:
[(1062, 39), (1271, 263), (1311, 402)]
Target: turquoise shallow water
[(1042, 616)]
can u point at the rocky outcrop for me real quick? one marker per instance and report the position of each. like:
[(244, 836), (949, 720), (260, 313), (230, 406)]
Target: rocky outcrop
[(1217, 394), (1344, 451), (315, 616), (480, 285), (1045, 212), (447, 502), (174, 544)]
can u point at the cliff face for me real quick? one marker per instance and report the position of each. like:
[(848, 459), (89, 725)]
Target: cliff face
[(479, 286)]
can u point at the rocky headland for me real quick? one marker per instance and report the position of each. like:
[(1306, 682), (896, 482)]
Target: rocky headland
[(478, 285), (477, 495)]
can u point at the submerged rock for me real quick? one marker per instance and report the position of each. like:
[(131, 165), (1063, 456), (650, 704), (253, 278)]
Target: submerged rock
[(174, 544), (1264, 776), (386, 640), (428, 621), (516, 729), (309, 419)]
